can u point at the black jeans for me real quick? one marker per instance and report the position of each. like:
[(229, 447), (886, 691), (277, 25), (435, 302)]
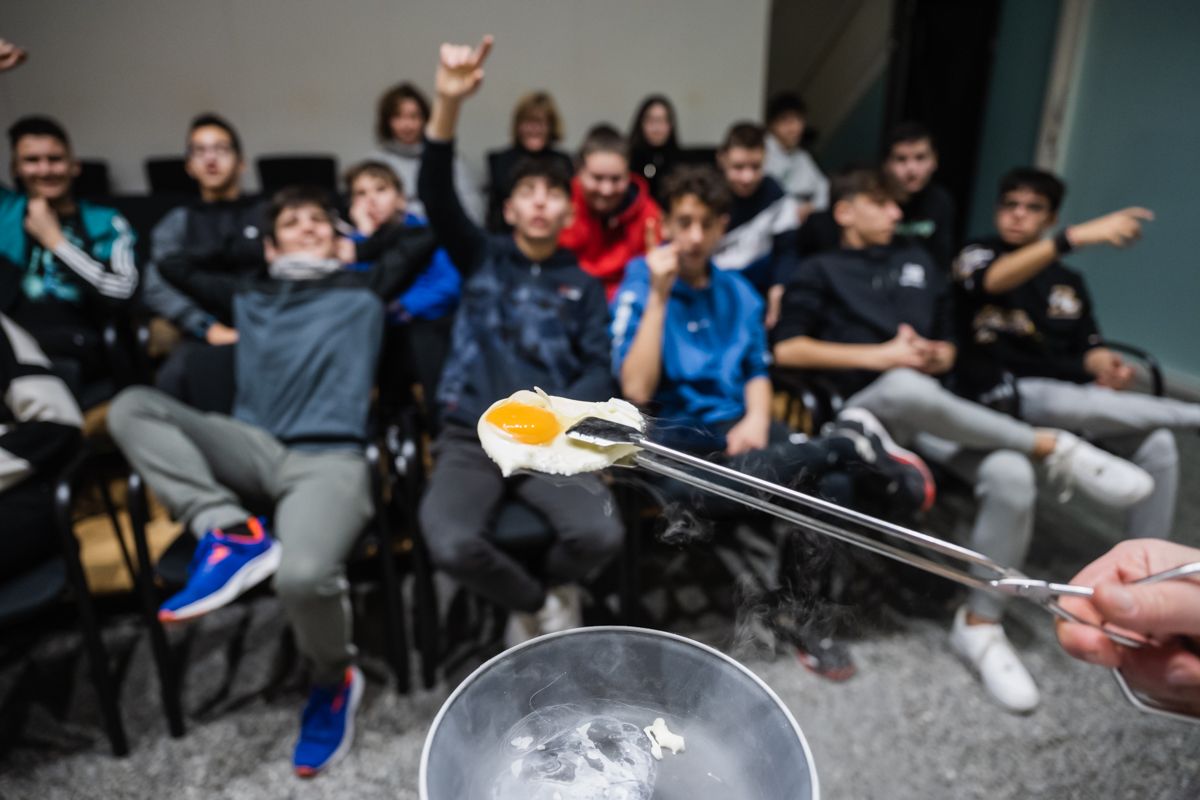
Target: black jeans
[(27, 535)]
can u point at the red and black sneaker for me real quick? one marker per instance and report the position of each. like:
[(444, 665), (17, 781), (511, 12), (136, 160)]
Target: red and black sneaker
[(910, 476), (821, 654)]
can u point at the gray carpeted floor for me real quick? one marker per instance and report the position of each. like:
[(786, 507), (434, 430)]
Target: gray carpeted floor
[(912, 723)]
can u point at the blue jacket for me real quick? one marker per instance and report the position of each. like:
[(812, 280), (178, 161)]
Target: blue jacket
[(433, 294), (522, 324), (98, 259), (713, 344)]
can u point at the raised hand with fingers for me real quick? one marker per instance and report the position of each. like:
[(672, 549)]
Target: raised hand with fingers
[(10, 55), (460, 68), (1120, 228), (663, 261)]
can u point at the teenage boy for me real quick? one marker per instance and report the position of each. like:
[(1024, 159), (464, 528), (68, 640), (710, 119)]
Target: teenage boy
[(873, 315), (378, 204), (760, 241), (529, 317), (218, 232), (688, 339), (787, 160), (612, 209), (65, 264), (910, 159), (309, 339), (1025, 319)]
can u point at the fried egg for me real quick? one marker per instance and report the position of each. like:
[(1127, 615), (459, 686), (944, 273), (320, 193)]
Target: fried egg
[(529, 431)]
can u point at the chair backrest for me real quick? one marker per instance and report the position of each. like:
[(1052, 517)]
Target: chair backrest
[(167, 175), (92, 180), (278, 171)]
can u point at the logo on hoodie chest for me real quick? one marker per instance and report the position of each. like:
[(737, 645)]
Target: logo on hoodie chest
[(912, 275)]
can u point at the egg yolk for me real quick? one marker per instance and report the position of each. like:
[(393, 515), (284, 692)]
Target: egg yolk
[(524, 423)]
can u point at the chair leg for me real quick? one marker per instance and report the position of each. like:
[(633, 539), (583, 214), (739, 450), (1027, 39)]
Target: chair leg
[(111, 509), (425, 611), (630, 590), (168, 675), (393, 597), (98, 661)]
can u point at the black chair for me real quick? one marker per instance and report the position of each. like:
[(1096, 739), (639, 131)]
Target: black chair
[(24, 596), (276, 172), (167, 175), (92, 182)]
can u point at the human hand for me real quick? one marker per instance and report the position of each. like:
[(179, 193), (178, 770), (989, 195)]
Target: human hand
[(10, 55), (360, 215), (1169, 611), (906, 349), (663, 261), (939, 357), (347, 251), (802, 211), (1119, 228), (774, 305), (1108, 368), (42, 223), (750, 433), (219, 334), (460, 69)]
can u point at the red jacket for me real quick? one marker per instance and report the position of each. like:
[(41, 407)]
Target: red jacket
[(605, 245)]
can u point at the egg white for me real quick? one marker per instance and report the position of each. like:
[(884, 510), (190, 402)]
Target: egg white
[(561, 455)]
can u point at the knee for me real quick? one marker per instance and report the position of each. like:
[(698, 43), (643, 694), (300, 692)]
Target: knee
[(903, 390), (125, 409), (598, 535), (301, 578), (1158, 453), (1007, 478), (452, 548)]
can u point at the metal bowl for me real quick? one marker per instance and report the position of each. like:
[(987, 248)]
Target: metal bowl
[(741, 740)]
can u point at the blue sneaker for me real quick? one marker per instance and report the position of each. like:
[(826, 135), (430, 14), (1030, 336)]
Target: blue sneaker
[(327, 726), (226, 564)]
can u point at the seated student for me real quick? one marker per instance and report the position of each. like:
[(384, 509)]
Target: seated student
[(39, 431), (219, 232), (65, 264), (653, 141), (536, 129), (761, 240), (400, 120), (530, 317), (309, 338), (688, 338), (1025, 318), (872, 315), (377, 204), (787, 160), (909, 161), (612, 209)]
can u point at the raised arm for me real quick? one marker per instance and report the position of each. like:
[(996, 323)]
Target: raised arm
[(460, 71), (641, 369), (1118, 229)]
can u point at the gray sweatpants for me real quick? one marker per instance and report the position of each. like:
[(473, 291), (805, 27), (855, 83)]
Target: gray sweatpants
[(208, 469), (1131, 425), (988, 449)]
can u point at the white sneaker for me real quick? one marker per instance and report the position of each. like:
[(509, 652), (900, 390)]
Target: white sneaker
[(562, 610), (1102, 476), (521, 627), (987, 651)]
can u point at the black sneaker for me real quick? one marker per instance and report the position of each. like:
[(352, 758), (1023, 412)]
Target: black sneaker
[(910, 480)]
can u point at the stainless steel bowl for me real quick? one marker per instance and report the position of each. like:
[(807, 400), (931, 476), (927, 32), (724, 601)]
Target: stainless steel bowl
[(742, 742)]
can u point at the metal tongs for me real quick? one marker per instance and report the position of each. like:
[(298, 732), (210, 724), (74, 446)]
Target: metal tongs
[(950, 561)]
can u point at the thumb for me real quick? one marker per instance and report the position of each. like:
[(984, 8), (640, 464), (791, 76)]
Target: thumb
[(906, 332), (1169, 608)]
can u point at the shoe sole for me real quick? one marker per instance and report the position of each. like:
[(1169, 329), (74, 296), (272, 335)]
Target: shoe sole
[(814, 666), (356, 693), (896, 452), (257, 570)]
